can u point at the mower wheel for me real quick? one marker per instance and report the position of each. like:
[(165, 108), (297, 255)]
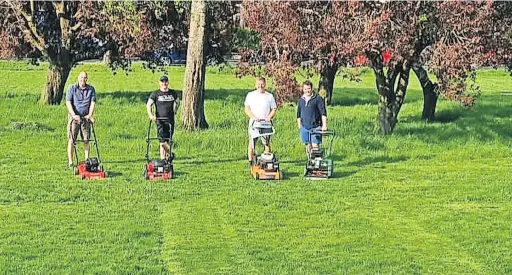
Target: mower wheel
[(330, 168), (257, 176), (82, 177), (146, 176), (75, 171)]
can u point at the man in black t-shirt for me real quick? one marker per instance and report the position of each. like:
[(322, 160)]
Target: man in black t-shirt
[(166, 105)]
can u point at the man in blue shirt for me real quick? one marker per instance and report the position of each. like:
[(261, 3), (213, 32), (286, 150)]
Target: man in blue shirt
[(80, 102), (311, 116)]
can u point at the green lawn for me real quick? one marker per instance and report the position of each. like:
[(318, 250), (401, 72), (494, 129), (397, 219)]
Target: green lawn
[(432, 198)]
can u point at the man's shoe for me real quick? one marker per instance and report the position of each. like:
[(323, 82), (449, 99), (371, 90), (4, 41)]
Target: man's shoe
[(71, 165)]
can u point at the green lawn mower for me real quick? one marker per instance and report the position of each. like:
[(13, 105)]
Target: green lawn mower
[(320, 163)]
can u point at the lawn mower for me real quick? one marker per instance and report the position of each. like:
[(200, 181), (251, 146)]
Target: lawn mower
[(266, 165), (320, 164), (91, 168), (158, 168)]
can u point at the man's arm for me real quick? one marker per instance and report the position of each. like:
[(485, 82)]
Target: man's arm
[(176, 105), (273, 108), (299, 122), (71, 111), (69, 105), (271, 115), (324, 123), (90, 115), (91, 111), (323, 112), (149, 106), (249, 113)]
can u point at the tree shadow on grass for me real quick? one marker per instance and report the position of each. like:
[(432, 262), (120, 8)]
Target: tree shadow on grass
[(374, 160), (123, 161), (129, 97), (178, 173), (231, 95), (112, 174), (351, 96), (194, 161), (135, 97), (486, 123), (342, 174)]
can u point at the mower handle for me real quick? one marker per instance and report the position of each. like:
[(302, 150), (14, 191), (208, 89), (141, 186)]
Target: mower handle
[(262, 120), (82, 118), (323, 133)]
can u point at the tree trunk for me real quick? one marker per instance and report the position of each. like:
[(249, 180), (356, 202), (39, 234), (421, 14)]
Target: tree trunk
[(59, 58), (107, 57), (391, 99), (401, 90), (385, 115), (55, 81), (326, 82), (192, 116), (429, 94)]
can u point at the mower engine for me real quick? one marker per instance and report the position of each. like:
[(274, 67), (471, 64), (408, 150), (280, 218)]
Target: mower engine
[(159, 166), (92, 165), (318, 166), (268, 162), (91, 168)]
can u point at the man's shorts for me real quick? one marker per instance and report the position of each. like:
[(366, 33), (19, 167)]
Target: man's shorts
[(304, 135), (73, 129), (265, 140), (165, 130)]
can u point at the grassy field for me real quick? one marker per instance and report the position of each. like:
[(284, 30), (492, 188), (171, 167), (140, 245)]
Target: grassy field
[(430, 199)]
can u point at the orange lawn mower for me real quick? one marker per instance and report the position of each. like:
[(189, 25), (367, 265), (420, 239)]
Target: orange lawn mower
[(91, 168), (266, 165)]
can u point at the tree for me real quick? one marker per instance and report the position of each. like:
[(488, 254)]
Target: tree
[(292, 32), (211, 28), (64, 33), (192, 116), (443, 35)]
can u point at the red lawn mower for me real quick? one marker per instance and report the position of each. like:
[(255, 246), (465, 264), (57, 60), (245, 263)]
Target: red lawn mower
[(158, 168), (91, 168)]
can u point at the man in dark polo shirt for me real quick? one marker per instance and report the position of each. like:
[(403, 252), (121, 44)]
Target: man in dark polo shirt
[(311, 116), (80, 102), (166, 105)]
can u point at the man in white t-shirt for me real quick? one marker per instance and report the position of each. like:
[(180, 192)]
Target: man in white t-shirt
[(259, 105)]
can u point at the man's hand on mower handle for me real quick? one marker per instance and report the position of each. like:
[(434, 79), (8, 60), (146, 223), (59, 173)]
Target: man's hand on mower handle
[(89, 118), (324, 128)]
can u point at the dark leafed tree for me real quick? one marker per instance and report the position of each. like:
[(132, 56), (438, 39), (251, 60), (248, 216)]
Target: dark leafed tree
[(66, 32), (453, 38), (292, 32), (395, 37), (192, 116), (446, 36)]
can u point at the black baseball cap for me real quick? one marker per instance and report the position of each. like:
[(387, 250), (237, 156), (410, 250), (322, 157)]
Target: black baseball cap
[(164, 78)]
